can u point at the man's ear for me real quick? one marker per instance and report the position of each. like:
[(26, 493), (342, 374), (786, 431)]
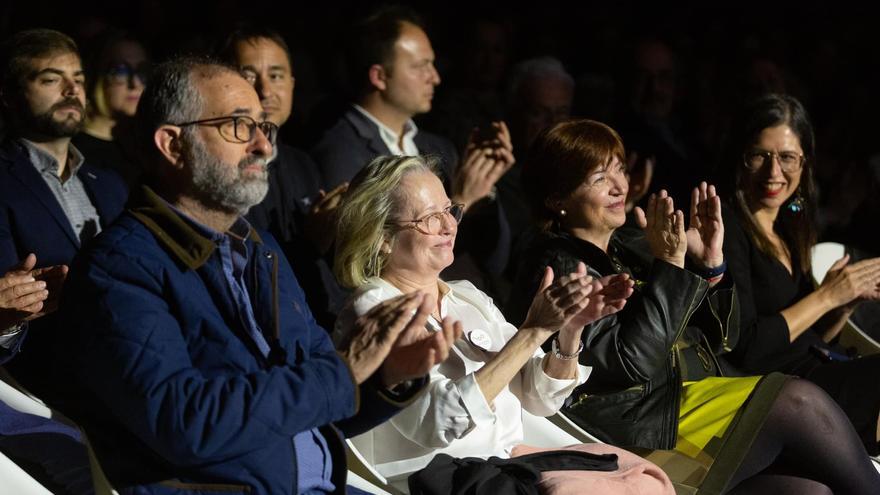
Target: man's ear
[(378, 75), (167, 139)]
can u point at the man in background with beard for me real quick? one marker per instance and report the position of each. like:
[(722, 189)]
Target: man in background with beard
[(51, 203), (51, 200)]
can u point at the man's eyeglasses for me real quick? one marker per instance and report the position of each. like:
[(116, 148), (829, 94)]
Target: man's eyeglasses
[(239, 128), (123, 73), (789, 161), (432, 224)]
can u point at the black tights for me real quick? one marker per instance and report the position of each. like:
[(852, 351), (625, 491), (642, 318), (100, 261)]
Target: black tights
[(806, 446)]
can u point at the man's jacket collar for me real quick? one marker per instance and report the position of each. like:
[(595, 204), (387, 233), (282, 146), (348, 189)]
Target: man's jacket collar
[(189, 246)]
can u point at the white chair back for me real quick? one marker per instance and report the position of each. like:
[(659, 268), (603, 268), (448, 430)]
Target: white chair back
[(824, 255)]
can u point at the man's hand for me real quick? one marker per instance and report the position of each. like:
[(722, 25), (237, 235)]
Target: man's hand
[(319, 224), (485, 162), (664, 229), (26, 293), (705, 233)]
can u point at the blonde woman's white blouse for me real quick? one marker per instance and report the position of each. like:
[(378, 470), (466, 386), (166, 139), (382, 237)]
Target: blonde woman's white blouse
[(453, 416)]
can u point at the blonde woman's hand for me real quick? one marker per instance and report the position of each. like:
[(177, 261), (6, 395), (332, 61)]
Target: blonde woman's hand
[(418, 350), (557, 302), (664, 229)]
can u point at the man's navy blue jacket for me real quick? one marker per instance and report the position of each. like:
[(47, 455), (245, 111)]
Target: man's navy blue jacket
[(171, 391)]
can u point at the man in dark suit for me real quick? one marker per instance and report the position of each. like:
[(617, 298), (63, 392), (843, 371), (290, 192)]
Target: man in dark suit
[(51, 200), (391, 63), (296, 210)]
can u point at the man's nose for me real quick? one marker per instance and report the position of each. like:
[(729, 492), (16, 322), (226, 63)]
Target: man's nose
[(262, 86), (260, 144), (70, 88)]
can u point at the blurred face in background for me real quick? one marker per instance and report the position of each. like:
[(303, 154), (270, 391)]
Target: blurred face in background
[(654, 81), (265, 65), (125, 78)]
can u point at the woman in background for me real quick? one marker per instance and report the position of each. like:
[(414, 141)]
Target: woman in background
[(117, 71)]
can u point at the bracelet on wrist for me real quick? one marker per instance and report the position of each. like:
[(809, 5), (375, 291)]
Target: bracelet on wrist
[(565, 357), (712, 273)]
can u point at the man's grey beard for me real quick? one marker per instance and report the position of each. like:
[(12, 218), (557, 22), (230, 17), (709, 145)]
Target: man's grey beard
[(216, 184)]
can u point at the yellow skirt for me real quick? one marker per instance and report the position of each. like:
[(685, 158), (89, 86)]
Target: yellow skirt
[(708, 407)]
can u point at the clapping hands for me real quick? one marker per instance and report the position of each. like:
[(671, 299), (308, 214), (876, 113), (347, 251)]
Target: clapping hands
[(392, 336), (705, 233), (486, 160), (664, 228), (27, 293)]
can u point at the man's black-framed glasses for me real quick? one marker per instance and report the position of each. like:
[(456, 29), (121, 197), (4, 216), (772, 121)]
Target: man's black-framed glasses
[(432, 223), (238, 128)]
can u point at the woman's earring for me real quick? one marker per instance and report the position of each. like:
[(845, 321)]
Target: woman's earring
[(562, 213), (796, 205)]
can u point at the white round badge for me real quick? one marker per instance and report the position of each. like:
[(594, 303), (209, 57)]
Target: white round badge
[(480, 339)]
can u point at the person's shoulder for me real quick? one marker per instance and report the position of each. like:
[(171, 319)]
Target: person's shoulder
[(344, 128), (434, 143), (371, 293)]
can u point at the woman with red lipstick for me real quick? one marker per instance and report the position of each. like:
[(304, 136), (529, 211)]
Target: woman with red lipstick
[(659, 379), (788, 324), (396, 232)]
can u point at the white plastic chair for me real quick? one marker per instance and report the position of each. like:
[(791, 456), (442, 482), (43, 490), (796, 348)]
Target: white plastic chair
[(14, 478), (824, 255), (23, 402)]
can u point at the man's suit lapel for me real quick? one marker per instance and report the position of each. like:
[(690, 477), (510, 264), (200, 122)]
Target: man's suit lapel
[(24, 172), (92, 183), (368, 131)]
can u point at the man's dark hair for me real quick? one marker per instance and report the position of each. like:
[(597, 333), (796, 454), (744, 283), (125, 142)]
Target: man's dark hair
[(24, 46), (372, 42), (250, 34), (172, 96)]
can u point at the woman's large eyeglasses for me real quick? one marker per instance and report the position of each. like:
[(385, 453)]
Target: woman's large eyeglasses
[(122, 73), (238, 128), (432, 223), (789, 161)]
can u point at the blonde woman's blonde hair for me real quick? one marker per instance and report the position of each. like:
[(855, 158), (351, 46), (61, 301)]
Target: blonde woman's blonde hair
[(362, 219)]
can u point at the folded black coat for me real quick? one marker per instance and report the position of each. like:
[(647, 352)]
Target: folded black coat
[(446, 475)]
